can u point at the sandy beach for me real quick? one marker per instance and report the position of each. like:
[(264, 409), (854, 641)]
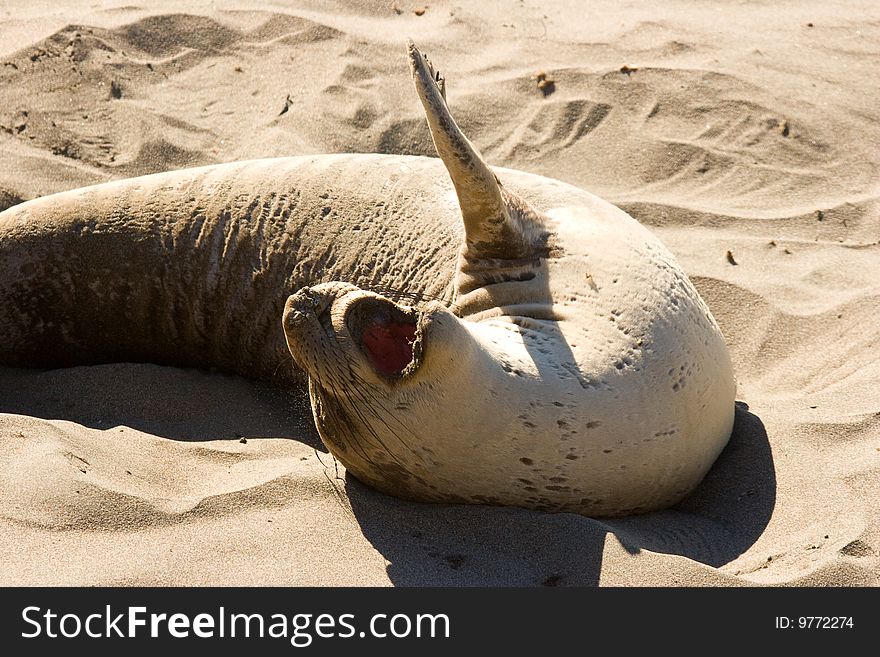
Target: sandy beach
[(745, 135)]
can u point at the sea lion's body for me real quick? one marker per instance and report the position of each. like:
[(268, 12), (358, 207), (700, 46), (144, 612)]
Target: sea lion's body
[(546, 352), (194, 266)]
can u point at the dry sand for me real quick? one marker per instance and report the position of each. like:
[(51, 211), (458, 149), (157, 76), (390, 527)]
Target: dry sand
[(744, 134)]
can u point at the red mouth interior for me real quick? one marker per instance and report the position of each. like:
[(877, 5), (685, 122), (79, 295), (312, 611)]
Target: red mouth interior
[(389, 345)]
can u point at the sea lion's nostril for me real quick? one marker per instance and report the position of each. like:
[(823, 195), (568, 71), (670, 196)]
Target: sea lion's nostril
[(308, 301)]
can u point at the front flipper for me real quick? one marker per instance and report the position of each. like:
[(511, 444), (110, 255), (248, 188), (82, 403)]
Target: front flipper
[(497, 223)]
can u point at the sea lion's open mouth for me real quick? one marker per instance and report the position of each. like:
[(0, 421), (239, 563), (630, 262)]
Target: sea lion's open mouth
[(388, 336)]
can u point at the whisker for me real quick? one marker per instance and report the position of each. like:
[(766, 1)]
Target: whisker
[(367, 403), (281, 361), (337, 489)]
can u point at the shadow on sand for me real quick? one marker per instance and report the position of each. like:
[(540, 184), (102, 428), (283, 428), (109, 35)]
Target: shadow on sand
[(443, 545), (425, 544), (169, 402)]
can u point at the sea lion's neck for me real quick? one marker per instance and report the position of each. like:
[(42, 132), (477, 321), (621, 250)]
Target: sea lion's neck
[(489, 288)]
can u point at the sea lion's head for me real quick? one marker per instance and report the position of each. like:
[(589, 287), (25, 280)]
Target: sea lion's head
[(394, 388), (529, 389)]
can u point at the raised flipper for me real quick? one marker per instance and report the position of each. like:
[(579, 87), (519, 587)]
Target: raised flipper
[(497, 223)]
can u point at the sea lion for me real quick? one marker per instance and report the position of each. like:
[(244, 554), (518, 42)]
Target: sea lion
[(519, 343)]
